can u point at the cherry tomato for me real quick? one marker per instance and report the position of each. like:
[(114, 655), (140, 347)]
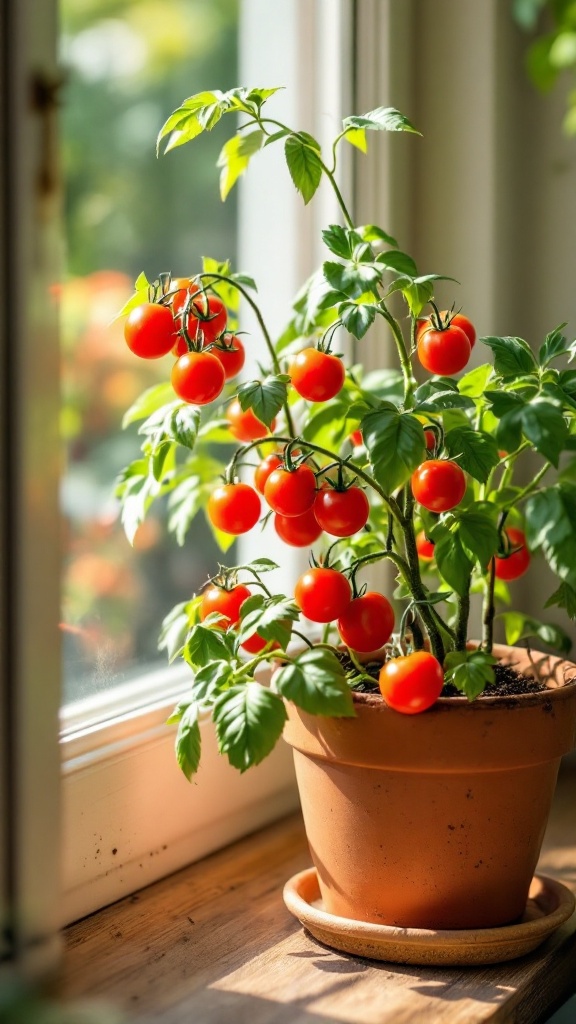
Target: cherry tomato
[(226, 602), (356, 438), (232, 356), (322, 594), (412, 683), (341, 513), (256, 643), (445, 352), (458, 319), (180, 289), (244, 425), (367, 623), (424, 547), (264, 468), (439, 485), (298, 531), (207, 313), (291, 492), (515, 564), (198, 377), (149, 330), (317, 376), (234, 508)]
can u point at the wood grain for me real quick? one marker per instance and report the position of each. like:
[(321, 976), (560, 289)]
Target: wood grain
[(214, 944)]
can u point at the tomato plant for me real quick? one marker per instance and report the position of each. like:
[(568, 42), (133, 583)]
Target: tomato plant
[(367, 622), (341, 512), (412, 683), (291, 492), (322, 594), (150, 331), (317, 376), (439, 485), (198, 377), (454, 483), (234, 508)]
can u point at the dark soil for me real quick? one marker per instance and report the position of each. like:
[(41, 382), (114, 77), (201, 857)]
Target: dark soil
[(508, 683)]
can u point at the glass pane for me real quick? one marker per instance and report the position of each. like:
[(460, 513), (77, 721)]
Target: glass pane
[(130, 63)]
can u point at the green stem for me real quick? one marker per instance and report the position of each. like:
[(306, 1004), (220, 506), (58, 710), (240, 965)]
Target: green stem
[(403, 355), (489, 610), (462, 619), (530, 488), (416, 585), (265, 333)]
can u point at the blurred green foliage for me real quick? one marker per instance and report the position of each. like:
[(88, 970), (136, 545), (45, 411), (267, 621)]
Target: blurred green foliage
[(552, 23)]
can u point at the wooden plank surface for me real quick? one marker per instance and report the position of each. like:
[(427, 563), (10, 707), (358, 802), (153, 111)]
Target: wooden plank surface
[(214, 944)]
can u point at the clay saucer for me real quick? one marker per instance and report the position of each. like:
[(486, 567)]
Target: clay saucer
[(549, 904)]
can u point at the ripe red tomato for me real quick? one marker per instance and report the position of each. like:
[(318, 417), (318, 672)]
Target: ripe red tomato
[(367, 622), (317, 376), (149, 330), (298, 531), (322, 594), (424, 547), (232, 356), (180, 289), (356, 438), (198, 377), (244, 425), (412, 683), (226, 602), (256, 643), (439, 485), (516, 564), (234, 508), (444, 352), (291, 492), (264, 468), (207, 314), (341, 513), (458, 319)]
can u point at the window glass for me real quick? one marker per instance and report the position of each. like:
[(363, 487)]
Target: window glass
[(129, 64)]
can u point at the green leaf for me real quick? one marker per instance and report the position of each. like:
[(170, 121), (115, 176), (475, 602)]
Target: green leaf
[(184, 424), (372, 233), (249, 720), (454, 564), (440, 393), (354, 279), (341, 241), (147, 403), (175, 716), (399, 261), (511, 355), (474, 450), (395, 444), (205, 645), (471, 672), (188, 741), (141, 294), (270, 617), (381, 119), (474, 382), (551, 528), (326, 423), (554, 346), (357, 137), (357, 317), (564, 597), (136, 489), (316, 683), (477, 532), (544, 425), (175, 627), (388, 385), (260, 565), (210, 681), (235, 156), (523, 627), (265, 398), (304, 163)]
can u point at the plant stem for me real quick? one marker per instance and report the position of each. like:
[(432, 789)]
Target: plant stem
[(266, 335), (462, 620), (403, 355), (489, 610), (415, 583)]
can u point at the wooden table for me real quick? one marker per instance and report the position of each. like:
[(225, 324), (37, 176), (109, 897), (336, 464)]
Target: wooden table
[(214, 944)]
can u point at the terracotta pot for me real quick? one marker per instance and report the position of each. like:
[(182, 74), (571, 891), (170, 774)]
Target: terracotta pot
[(434, 820)]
